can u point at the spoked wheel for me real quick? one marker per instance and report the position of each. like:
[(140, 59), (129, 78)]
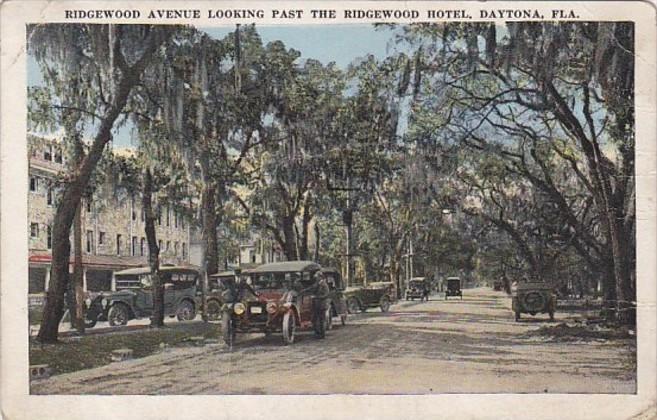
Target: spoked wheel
[(118, 315), (228, 330), (289, 326), (213, 310), (185, 311)]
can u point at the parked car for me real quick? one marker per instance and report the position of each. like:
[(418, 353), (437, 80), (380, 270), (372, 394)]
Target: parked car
[(132, 297), (379, 294), (533, 298), (338, 302), (498, 285), (418, 288), (271, 300), (453, 287)]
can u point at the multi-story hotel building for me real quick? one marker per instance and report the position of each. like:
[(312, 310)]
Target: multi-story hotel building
[(113, 235)]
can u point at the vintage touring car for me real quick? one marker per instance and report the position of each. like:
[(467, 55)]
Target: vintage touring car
[(272, 300), (132, 296), (533, 298)]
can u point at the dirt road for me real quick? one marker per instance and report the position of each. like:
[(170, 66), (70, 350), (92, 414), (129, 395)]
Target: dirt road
[(417, 348)]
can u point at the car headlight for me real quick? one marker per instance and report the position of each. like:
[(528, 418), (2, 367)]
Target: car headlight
[(271, 307), (87, 302), (104, 302), (239, 308)]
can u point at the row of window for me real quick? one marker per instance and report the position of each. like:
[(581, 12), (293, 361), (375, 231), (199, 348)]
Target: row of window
[(178, 219), (50, 153), (138, 247)]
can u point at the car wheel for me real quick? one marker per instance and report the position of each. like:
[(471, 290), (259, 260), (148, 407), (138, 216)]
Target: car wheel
[(227, 330), (551, 316), (117, 315), (385, 304), (213, 309), (343, 319), (517, 316), (289, 326), (185, 311)]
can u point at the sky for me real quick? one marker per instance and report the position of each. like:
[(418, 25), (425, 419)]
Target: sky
[(339, 43)]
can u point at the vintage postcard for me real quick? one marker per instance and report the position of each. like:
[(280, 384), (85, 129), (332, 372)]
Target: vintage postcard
[(319, 210)]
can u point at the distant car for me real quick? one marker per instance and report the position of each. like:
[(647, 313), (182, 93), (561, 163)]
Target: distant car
[(379, 294), (418, 288), (533, 298), (271, 301), (133, 296), (338, 302), (453, 287), (498, 285)]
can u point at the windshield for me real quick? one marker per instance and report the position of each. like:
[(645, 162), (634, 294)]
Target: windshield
[(274, 280)]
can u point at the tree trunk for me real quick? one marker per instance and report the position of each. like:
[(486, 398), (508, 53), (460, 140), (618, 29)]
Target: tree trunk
[(72, 194), (317, 241), (77, 315), (157, 318), (290, 246)]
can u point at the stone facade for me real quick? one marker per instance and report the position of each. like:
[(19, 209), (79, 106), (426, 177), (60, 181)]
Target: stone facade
[(113, 236)]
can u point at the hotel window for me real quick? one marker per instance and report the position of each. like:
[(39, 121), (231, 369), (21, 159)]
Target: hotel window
[(184, 250), (142, 245), (34, 230), (89, 205), (168, 216), (134, 246), (132, 209), (159, 245), (90, 240), (34, 184), (182, 221), (47, 153), (49, 239), (159, 216), (175, 249), (118, 244), (101, 238), (168, 246), (175, 219), (49, 196)]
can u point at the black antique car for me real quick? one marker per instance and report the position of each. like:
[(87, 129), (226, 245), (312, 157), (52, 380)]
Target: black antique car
[(379, 294), (418, 288), (338, 302), (453, 287), (271, 300), (133, 296), (533, 298)]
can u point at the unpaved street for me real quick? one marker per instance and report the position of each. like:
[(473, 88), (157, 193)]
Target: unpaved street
[(418, 347)]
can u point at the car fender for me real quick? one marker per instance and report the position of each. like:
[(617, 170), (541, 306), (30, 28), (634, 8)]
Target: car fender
[(131, 310)]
